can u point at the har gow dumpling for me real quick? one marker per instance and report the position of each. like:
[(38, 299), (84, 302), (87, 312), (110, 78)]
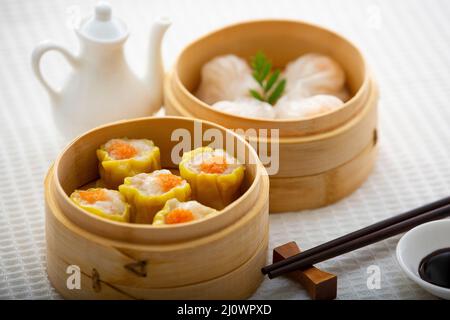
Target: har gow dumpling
[(246, 107), (313, 106), (226, 77), (313, 74)]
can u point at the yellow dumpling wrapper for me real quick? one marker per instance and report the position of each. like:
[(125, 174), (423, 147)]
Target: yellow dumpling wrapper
[(108, 204), (114, 171), (175, 212), (216, 190), (144, 206)]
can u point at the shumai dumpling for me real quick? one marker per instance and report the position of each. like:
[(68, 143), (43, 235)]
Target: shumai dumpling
[(175, 212), (121, 158), (109, 204), (246, 107), (215, 176), (313, 74), (226, 77), (148, 192), (309, 107)]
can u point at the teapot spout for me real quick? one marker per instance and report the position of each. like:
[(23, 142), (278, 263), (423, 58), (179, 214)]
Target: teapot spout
[(155, 70)]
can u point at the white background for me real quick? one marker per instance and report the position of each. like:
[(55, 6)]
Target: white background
[(407, 44)]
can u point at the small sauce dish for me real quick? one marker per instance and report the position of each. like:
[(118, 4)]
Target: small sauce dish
[(417, 244)]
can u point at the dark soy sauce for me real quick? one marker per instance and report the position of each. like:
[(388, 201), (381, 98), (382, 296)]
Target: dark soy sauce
[(435, 268)]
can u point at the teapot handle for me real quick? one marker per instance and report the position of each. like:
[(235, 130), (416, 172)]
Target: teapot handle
[(36, 57)]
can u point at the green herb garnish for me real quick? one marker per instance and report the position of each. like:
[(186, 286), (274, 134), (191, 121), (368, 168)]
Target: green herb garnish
[(272, 86)]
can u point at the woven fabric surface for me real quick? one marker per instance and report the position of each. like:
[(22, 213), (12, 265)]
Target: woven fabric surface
[(406, 43)]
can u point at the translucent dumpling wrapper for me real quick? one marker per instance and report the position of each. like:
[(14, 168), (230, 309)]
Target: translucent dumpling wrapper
[(175, 212), (313, 74), (225, 78), (215, 176), (305, 108), (300, 92), (109, 204), (121, 158), (246, 107), (148, 192)]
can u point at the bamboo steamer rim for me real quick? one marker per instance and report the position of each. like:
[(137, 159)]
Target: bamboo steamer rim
[(323, 117), (321, 136), (260, 171)]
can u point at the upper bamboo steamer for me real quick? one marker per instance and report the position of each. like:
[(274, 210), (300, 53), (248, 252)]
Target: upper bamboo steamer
[(310, 149), (125, 260)]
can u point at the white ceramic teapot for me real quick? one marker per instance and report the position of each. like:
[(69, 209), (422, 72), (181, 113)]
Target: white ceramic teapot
[(102, 88)]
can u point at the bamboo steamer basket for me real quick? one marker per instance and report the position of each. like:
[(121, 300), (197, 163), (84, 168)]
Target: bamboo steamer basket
[(217, 257), (314, 153)]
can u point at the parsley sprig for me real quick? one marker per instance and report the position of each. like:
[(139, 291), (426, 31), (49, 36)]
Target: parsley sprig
[(272, 86)]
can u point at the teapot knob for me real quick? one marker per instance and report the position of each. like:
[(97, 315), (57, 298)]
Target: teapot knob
[(103, 26), (103, 11)]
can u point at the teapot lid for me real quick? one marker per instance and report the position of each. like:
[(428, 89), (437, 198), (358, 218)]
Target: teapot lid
[(102, 26)]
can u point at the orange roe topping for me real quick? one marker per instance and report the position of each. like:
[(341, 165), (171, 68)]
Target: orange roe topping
[(179, 215), (94, 195), (121, 150), (217, 164), (167, 181), (322, 65)]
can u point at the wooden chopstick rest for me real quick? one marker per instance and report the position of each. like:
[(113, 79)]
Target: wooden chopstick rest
[(319, 284)]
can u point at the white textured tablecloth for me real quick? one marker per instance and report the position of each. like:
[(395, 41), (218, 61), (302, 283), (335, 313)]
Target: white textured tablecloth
[(407, 44)]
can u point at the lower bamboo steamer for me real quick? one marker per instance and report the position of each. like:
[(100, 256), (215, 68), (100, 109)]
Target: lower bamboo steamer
[(297, 193), (219, 257), (314, 153)]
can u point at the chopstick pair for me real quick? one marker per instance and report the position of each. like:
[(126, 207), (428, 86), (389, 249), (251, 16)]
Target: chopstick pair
[(361, 238)]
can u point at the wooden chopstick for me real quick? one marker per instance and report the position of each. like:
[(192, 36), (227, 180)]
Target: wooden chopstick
[(361, 232), (388, 228)]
